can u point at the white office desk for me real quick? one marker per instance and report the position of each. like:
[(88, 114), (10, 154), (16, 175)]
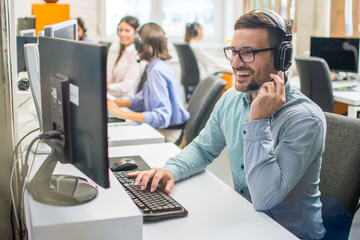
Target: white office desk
[(216, 211), (131, 133), (351, 97), (111, 213)]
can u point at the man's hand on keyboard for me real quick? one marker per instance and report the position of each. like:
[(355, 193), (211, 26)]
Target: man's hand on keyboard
[(158, 175)]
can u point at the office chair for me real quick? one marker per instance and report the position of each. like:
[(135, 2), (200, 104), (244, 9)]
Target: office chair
[(200, 107), (340, 175), (190, 74), (315, 81)]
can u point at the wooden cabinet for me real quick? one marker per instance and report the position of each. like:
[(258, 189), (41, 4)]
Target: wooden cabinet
[(50, 13)]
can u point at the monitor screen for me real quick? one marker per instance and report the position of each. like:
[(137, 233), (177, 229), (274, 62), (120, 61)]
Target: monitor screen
[(73, 97), (341, 54), (67, 29), (20, 42)]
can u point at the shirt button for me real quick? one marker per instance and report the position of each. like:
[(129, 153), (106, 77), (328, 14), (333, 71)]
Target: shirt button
[(242, 191), (244, 131), (242, 166)]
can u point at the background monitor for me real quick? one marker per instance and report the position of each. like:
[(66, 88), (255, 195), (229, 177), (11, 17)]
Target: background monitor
[(73, 96), (341, 54), (33, 68), (28, 33), (67, 29), (20, 42)]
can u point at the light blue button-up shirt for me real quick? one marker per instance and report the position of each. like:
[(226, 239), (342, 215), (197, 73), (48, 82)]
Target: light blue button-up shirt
[(162, 99), (275, 163)]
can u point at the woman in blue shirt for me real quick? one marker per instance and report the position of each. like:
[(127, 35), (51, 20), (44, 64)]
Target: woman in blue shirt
[(161, 102)]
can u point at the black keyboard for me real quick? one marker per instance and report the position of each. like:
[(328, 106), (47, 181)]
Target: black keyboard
[(154, 206), (112, 118)]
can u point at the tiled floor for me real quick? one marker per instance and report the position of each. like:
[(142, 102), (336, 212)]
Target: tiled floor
[(220, 167)]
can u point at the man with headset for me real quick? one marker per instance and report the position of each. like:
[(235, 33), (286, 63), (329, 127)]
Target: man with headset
[(274, 134), (82, 36)]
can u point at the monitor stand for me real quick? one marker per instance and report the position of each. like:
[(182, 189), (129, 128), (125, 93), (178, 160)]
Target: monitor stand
[(60, 190), (41, 149)]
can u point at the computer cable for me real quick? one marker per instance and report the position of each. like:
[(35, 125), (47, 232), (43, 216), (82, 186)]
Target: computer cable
[(23, 176), (13, 166), (25, 172)]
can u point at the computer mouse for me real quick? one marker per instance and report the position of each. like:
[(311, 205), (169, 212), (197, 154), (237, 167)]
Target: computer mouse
[(124, 164)]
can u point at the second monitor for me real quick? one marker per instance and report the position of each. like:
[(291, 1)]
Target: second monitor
[(341, 54)]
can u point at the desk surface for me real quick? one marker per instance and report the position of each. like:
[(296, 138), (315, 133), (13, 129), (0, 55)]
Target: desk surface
[(132, 133), (351, 97), (215, 210), (111, 212)]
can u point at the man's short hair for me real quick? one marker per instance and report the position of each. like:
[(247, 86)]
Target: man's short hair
[(255, 19)]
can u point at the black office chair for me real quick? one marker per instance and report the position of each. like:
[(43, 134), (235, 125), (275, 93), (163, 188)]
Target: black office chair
[(190, 74), (315, 81), (200, 107), (340, 175)]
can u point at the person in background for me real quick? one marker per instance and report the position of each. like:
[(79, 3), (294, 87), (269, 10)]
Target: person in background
[(275, 135), (161, 101), (208, 64), (125, 77), (82, 31)]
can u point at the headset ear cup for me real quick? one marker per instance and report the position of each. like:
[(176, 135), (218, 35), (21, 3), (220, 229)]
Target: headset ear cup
[(137, 42), (283, 56)]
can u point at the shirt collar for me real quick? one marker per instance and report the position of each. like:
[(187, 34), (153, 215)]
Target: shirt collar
[(152, 63)]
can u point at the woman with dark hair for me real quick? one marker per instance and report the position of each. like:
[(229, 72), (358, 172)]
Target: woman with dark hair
[(161, 102), (126, 74)]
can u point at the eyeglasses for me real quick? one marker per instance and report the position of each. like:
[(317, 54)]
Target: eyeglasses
[(246, 55)]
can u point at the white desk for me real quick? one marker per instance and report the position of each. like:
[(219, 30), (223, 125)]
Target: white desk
[(112, 212), (351, 98), (215, 210), (131, 133)]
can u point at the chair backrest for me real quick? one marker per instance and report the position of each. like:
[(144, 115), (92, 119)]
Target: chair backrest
[(190, 74), (200, 107), (315, 81), (340, 175)]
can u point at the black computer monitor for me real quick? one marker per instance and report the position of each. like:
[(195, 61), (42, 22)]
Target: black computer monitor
[(20, 42), (67, 29), (341, 54), (73, 96)]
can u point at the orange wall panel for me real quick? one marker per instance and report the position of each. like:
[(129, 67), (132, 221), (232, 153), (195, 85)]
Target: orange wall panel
[(50, 13)]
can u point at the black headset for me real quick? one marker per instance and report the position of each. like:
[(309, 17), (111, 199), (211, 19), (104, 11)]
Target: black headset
[(137, 38), (284, 49), (193, 29)]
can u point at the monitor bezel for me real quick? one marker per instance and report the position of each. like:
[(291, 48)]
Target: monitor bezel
[(50, 30)]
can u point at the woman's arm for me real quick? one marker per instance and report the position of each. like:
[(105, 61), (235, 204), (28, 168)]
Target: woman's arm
[(113, 107)]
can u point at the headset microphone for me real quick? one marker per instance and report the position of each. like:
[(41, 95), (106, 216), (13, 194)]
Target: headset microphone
[(255, 86)]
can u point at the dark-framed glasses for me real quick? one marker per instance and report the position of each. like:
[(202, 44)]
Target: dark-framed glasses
[(246, 55)]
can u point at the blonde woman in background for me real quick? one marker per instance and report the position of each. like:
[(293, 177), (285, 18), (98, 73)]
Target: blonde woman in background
[(208, 64)]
